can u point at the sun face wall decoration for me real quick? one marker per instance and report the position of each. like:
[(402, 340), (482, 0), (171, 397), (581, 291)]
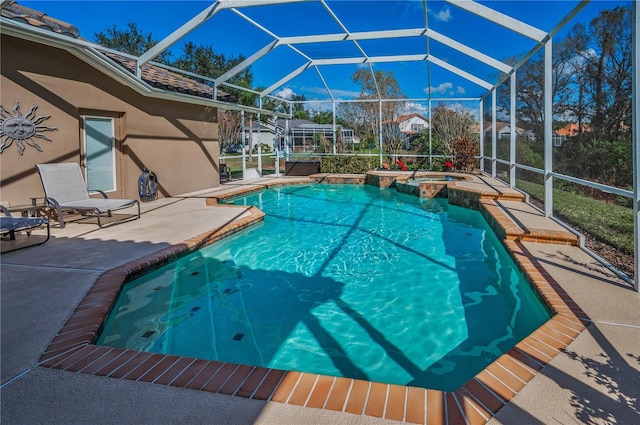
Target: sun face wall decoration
[(22, 128)]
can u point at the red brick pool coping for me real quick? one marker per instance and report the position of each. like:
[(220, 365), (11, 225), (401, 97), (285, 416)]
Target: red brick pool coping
[(73, 349)]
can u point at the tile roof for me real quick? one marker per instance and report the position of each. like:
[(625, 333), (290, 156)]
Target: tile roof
[(499, 125), (163, 79), (38, 19), (403, 118), (408, 117), (153, 75), (573, 129)]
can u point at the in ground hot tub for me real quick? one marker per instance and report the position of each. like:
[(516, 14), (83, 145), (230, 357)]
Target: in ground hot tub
[(427, 187)]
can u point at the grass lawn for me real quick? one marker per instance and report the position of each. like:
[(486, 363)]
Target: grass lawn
[(608, 223)]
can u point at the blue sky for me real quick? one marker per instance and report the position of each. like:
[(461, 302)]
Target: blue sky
[(233, 35)]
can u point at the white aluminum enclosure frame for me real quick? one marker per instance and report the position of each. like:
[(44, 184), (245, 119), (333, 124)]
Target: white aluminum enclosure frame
[(90, 52)]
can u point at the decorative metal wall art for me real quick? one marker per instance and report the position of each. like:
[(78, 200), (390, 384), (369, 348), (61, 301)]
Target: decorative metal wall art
[(22, 128)]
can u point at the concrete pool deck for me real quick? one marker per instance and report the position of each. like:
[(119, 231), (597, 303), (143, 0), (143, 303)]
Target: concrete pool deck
[(592, 380)]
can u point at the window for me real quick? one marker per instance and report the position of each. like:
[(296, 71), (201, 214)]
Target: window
[(558, 139)]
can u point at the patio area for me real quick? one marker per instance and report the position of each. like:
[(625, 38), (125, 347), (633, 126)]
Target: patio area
[(593, 380)]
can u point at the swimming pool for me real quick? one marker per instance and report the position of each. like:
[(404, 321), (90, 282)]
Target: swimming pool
[(348, 280)]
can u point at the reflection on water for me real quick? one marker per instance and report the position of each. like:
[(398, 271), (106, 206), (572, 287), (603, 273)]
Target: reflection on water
[(340, 280)]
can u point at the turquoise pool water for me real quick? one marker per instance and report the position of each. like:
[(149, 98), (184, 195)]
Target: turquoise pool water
[(342, 280)]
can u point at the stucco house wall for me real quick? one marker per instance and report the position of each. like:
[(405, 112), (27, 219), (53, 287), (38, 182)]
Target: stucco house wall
[(265, 136), (406, 126), (178, 141), (503, 130)]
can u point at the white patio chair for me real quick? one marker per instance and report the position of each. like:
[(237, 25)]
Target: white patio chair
[(66, 191)]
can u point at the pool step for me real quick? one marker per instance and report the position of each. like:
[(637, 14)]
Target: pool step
[(519, 221)]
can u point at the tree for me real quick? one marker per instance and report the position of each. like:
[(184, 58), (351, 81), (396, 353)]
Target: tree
[(452, 123), (325, 145), (591, 78), (203, 60), (353, 114), (229, 128), (273, 104), (132, 41), (392, 139), (530, 87), (298, 108), (579, 105), (364, 116), (608, 78), (322, 117), (421, 144), (602, 80)]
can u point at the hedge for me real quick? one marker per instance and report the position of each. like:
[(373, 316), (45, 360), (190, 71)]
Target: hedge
[(340, 164)]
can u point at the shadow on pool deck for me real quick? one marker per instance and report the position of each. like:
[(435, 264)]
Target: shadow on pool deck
[(592, 381)]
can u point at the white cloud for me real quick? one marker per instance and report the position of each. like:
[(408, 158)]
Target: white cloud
[(443, 15), (446, 89), (442, 88), (345, 94), (461, 106), (285, 93), (415, 108)]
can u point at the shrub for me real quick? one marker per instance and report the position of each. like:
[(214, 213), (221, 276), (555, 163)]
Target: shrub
[(264, 149), (340, 164), (465, 152)]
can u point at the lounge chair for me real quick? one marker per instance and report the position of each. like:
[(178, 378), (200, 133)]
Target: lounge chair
[(66, 191), (10, 225)]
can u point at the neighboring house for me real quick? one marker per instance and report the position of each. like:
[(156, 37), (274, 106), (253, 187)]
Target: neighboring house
[(410, 126), (570, 130), (259, 133), (413, 124), (300, 136), (529, 135), (558, 139), (503, 130), (574, 129), (80, 104), (304, 134)]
